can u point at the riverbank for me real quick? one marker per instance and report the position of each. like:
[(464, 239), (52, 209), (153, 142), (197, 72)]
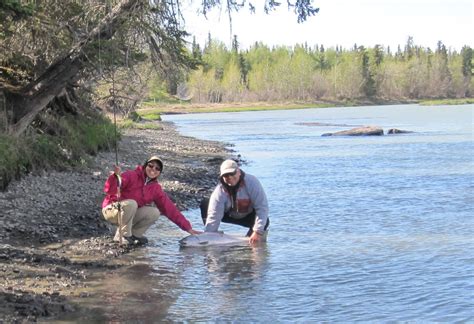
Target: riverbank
[(149, 108), (53, 236)]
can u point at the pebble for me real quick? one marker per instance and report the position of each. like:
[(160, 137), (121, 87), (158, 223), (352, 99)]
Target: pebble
[(49, 219)]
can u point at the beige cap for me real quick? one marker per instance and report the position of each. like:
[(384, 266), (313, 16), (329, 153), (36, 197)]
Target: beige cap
[(228, 166), (157, 159)]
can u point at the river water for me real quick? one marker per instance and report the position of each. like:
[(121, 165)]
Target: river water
[(362, 228)]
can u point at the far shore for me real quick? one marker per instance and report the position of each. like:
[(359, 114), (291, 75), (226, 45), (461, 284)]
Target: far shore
[(183, 107)]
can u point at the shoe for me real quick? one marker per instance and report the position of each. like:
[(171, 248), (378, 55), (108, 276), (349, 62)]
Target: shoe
[(139, 240), (126, 240)]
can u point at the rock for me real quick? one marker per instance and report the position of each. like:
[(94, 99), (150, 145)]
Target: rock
[(398, 131), (64, 208), (359, 131)]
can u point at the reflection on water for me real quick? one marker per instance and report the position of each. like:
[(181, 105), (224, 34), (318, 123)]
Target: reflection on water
[(228, 264), (167, 283), (221, 277), (132, 294)]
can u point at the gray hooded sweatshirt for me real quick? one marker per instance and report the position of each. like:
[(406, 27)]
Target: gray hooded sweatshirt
[(250, 196)]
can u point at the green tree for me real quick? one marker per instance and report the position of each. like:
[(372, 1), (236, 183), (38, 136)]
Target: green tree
[(440, 73), (196, 51), (369, 83), (409, 48), (259, 77), (56, 51), (79, 43), (467, 57), (235, 45), (391, 80), (244, 69), (231, 83), (466, 54)]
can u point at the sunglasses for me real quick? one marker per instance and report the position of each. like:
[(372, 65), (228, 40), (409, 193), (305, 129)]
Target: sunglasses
[(229, 174), (153, 166)]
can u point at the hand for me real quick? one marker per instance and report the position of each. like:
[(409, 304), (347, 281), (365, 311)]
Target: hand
[(116, 171), (193, 232), (255, 238)]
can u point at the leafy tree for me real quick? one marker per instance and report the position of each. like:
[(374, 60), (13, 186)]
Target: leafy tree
[(235, 45), (440, 72), (467, 56), (244, 69), (409, 48), (231, 83), (58, 51), (196, 51), (63, 46), (302, 73), (378, 55), (391, 79), (369, 83)]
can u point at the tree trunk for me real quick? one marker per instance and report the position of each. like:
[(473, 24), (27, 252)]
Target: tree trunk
[(35, 97)]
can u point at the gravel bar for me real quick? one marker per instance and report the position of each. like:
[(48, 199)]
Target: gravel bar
[(53, 234)]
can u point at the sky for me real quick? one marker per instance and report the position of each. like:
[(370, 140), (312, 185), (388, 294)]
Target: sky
[(344, 23)]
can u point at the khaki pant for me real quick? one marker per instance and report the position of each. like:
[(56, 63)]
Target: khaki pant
[(135, 221)]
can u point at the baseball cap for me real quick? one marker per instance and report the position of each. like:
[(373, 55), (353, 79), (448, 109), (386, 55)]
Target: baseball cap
[(228, 166), (157, 159)]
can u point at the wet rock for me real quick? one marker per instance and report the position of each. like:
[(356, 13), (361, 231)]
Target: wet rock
[(398, 131), (359, 131)]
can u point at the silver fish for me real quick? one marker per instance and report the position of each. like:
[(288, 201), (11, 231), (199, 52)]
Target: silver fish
[(212, 239)]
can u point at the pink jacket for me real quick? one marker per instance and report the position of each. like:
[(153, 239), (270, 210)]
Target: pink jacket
[(134, 187)]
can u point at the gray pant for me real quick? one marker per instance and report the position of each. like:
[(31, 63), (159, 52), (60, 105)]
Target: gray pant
[(135, 221)]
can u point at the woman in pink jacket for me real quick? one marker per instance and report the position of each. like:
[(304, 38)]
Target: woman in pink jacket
[(140, 198)]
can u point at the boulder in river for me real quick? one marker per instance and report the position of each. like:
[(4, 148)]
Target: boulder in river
[(398, 131), (359, 131)]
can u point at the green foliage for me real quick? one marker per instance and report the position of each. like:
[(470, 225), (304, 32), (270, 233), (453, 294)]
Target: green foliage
[(158, 92), (126, 123), (302, 73), (134, 116), (75, 138), (92, 135), (439, 102), (467, 57), (11, 159), (16, 9), (153, 116), (129, 124)]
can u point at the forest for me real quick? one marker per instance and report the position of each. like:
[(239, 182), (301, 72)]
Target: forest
[(312, 72)]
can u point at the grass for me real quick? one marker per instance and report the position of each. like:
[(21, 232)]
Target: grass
[(438, 102), (150, 109), (127, 123), (150, 116), (59, 143)]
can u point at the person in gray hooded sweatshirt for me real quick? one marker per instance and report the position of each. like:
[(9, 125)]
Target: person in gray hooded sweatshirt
[(238, 199)]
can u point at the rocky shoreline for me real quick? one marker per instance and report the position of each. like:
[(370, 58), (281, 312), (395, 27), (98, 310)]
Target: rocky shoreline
[(53, 235)]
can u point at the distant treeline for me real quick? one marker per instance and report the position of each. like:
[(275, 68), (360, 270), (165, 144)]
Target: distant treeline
[(307, 73)]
